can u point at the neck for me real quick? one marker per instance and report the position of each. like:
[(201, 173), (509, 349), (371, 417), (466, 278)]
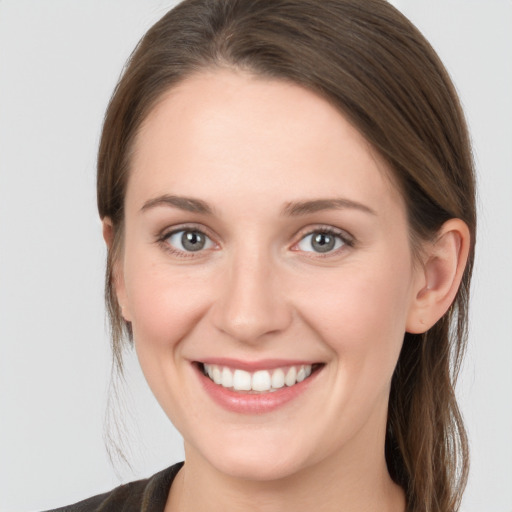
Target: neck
[(351, 482)]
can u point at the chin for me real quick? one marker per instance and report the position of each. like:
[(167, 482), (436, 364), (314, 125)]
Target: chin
[(256, 468), (263, 460)]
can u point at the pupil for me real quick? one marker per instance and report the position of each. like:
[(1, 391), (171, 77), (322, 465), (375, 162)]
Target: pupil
[(192, 241), (323, 242)]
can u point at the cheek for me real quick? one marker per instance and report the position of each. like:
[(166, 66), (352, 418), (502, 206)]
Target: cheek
[(164, 302), (360, 311)]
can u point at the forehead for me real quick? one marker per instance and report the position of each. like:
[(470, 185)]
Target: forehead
[(253, 135)]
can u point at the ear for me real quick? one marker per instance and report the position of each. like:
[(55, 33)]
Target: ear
[(117, 267), (108, 232), (440, 276)]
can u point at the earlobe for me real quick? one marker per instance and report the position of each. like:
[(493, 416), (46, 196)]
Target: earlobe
[(114, 261), (441, 274)]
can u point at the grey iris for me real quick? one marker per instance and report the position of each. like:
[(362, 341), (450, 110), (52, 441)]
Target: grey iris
[(323, 242), (192, 240)]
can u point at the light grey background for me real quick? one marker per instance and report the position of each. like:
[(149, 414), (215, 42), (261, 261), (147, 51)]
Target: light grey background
[(59, 61)]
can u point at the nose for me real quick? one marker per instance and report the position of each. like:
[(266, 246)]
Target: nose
[(251, 304)]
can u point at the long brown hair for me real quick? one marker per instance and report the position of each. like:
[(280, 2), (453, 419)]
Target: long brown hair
[(372, 64)]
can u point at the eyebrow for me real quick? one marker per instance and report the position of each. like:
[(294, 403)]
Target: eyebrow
[(187, 204), (295, 209), (290, 209)]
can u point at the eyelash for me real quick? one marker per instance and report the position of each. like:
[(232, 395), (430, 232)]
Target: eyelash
[(163, 238), (346, 239)]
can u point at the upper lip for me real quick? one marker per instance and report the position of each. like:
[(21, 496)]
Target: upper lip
[(252, 366)]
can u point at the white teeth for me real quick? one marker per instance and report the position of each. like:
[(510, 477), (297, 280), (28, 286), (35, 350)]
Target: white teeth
[(260, 381), (291, 376), (278, 379), (227, 378), (242, 380), (217, 376)]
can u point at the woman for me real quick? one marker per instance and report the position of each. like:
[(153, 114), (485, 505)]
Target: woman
[(287, 195)]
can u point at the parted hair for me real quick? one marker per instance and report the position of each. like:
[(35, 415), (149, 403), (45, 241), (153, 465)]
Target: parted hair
[(377, 69)]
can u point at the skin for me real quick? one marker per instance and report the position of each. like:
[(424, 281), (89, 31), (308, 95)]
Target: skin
[(260, 291)]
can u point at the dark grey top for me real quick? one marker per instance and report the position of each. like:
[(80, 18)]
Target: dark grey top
[(148, 495)]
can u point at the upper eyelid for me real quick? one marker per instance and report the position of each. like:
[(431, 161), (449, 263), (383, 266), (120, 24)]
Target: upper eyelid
[(168, 231), (326, 228)]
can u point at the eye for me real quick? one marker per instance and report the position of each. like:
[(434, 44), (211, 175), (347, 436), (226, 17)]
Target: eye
[(322, 241), (188, 240)]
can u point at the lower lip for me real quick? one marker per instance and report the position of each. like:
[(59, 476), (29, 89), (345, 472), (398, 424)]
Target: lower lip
[(260, 403)]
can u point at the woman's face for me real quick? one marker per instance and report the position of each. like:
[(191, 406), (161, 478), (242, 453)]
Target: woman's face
[(263, 241)]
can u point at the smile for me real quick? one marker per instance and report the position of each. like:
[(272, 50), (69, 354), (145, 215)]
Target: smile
[(256, 388), (259, 381)]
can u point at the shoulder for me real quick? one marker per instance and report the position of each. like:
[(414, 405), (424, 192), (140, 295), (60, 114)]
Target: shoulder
[(148, 495)]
